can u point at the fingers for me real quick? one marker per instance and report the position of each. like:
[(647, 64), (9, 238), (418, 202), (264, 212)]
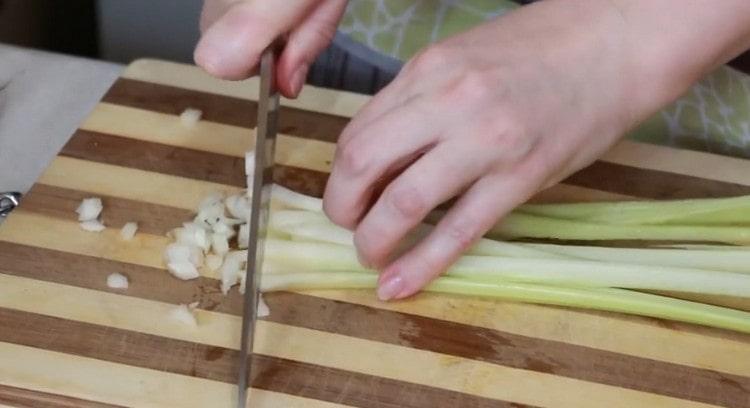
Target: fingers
[(231, 47), (371, 155), (386, 101), (433, 179), (471, 217), (306, 42)]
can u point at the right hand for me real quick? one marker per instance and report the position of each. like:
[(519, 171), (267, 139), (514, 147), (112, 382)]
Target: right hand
[(235, 33)]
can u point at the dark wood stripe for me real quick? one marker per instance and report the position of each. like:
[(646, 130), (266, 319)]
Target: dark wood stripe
[(222, 109), (220, 364), (182, 162), (402, 329), (155, 157), (23, 398), (310, 182), (653, 184), (91, 273), (742, 62), (61, 203), (604, 176)]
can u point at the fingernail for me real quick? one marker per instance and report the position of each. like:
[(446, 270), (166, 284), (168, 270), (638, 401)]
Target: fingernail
[(298, 78), (390, 288), (207, 57)]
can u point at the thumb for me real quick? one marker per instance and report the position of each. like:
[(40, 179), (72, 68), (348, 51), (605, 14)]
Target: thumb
[(231, 47), (213, 10), (305, 43)]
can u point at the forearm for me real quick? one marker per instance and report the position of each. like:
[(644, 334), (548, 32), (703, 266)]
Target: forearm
[(671, 44)]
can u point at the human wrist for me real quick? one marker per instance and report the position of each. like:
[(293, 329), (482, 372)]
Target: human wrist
[(673, 44)]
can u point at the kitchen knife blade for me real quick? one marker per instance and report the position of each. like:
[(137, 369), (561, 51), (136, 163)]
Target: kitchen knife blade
[(265, 143)]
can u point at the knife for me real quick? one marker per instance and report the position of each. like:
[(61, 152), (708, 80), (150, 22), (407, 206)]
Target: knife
[(265, 144), (8, 201)]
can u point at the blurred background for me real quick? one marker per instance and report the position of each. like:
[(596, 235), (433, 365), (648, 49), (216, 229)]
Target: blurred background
[(121, 31), (124, 30), (112, 30)]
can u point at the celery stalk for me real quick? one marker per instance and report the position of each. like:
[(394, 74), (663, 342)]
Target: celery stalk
[(713, 211), (311, 255), (308, 226), (710, 258), (585, 273), (283, 219), (518, 225), (565, 272), (294, 200), (612, 300)]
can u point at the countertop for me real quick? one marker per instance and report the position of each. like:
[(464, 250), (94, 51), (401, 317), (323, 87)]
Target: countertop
[(43, 98)]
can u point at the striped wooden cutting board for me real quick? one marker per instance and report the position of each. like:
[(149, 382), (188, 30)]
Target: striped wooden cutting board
[(68, 340)]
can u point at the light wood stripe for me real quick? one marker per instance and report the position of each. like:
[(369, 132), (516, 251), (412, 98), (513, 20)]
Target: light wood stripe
[(324, 349), (691, 163), (207, 136), (374, 324), (132, 184), (222, 109), (220, 364), (46, 232), (79, 377), (183, 75), (727, 354)]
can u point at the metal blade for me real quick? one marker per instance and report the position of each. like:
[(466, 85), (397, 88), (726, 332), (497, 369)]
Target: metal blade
[(8, 201), (265, 143)]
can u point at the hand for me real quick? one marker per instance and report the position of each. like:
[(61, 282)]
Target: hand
[(235, 33), (494, 115)]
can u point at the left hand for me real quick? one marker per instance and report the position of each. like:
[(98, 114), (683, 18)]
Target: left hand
[(490, 116)]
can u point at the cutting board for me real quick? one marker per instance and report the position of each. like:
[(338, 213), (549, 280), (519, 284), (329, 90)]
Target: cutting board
[(66, 339)]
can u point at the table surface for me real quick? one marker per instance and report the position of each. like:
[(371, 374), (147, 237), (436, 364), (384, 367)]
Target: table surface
[(43, 98)]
